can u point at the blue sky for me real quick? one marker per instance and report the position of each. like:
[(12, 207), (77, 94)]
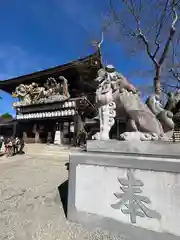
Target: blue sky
[(39, 34)]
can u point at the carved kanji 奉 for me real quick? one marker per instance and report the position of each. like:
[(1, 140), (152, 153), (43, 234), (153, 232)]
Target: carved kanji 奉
[(132, 200)]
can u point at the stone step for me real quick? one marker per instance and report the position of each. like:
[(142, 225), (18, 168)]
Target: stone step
[(48, 150), (41, 147), (64, 154), (49, 146)]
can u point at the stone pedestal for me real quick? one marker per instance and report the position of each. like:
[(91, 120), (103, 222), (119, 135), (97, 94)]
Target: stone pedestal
[(127, 187), (37, 138), (2, 150), (25, 136), (57, 138)]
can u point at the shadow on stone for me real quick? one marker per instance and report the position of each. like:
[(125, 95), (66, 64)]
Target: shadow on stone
[(21, 153), (1, 154), (63, 193), (67, 166)]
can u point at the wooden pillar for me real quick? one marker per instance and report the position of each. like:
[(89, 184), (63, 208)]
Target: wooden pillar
[(25, 136), (49, 137), (14, 129), (76, 118), (117, 129), (57, 126), (36, 131), (69, 131), (61, 127)]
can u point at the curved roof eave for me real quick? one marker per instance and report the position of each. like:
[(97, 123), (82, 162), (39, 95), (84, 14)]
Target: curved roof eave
[(5, 84)]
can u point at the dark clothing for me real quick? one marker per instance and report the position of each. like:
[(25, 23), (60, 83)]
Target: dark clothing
[(81, 138), (1, 144)]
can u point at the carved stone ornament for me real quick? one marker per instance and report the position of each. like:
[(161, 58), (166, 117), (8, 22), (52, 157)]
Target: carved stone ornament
[(35, 94)]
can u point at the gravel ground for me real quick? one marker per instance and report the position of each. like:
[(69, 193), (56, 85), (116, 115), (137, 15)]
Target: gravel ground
[(30, 203)]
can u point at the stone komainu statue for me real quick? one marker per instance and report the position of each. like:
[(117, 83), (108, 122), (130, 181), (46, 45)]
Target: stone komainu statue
[(115, 96)]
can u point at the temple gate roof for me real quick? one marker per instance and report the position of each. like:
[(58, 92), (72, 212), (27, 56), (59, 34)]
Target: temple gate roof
[(79, 73)]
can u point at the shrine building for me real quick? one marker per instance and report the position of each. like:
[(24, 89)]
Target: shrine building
[(54, 100)]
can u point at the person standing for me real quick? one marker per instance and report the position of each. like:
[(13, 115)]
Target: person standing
[(1, 142)]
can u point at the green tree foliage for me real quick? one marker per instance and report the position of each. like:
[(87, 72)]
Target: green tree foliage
[(7, 116)]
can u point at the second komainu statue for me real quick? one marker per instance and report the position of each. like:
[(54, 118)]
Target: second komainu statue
[(115, 96)]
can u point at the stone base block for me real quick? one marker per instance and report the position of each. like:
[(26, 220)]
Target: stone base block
[(157, 148), (57, 139), (135, 195)]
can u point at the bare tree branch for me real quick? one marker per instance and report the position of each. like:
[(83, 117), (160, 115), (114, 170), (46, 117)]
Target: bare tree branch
[(139, 33), (171, 34), (160, 25), (171, 86), (133, 25), (175, 74), (161, 21)]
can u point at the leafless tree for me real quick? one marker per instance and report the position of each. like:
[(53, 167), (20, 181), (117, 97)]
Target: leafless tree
[(171, 78), (148, 25)]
